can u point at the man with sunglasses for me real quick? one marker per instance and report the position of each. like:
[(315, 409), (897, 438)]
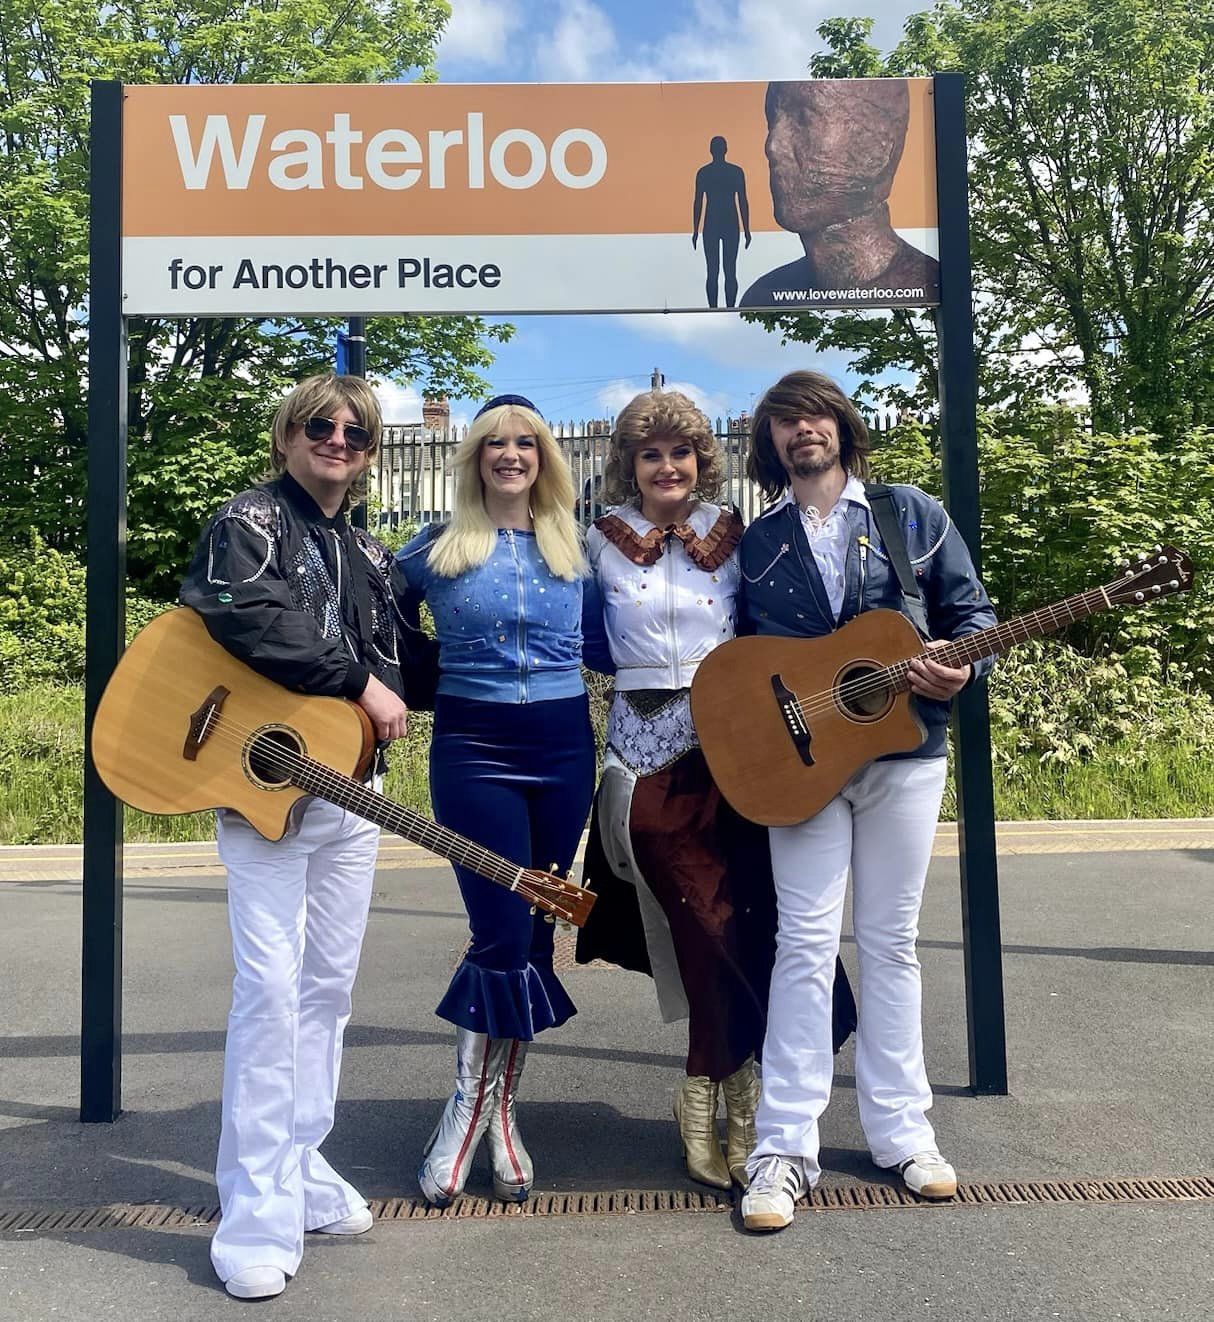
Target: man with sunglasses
[(287, 586)]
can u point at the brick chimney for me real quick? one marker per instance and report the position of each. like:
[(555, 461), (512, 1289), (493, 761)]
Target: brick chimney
[(436, 414)]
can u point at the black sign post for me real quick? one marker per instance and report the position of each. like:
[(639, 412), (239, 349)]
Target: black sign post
[(972, 720), (101, 963)]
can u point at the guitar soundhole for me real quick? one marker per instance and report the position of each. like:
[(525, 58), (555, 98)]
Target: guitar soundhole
[(861, 694), (270, 757)]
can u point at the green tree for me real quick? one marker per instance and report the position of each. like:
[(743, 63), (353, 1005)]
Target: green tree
[(200, 391), (1091, 193)]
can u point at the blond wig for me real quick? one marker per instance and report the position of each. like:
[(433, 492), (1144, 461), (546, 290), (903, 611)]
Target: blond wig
[(469, 539), (321, 397), (660, 415)]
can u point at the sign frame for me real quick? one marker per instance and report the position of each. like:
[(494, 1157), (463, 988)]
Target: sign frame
[(102, 908)]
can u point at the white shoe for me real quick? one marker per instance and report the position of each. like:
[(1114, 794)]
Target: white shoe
[(256, 1283), (775, 1185), (929, 1175), (357, 1223)]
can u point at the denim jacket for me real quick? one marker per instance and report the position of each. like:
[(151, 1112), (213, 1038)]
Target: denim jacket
[(783, 593), (509, 630)]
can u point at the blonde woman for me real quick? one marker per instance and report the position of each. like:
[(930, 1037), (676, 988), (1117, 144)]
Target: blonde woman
[(511, 762), (684, 883)]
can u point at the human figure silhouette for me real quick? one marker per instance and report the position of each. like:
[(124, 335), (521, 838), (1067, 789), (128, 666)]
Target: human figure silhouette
[(723, 186), (833, 147)]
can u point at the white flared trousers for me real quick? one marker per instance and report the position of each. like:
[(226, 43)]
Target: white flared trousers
[(298, 910), (880, 827)]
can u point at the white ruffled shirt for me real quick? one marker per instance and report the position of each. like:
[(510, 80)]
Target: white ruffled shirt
[(828, 537)]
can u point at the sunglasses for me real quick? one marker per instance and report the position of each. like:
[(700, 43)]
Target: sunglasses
[(320, 429)]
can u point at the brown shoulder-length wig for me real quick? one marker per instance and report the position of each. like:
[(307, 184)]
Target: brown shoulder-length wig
[(322, 396), (804, 395), (660, 415)]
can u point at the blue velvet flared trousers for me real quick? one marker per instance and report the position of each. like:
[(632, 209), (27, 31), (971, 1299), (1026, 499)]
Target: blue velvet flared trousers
[(518, 779)]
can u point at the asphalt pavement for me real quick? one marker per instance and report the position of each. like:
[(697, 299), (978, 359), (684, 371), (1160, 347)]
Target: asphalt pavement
[(1109, 981)]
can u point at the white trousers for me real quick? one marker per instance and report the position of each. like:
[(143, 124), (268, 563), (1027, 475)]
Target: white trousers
[(880, 827), (298, 910)]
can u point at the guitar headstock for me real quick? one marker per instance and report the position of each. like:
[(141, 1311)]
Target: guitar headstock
[(1158, 574), (556, 895)]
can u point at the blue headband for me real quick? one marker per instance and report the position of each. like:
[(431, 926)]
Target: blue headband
[(498, 401)]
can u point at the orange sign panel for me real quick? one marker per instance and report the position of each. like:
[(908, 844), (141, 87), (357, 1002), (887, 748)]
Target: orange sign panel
[(508, 198)]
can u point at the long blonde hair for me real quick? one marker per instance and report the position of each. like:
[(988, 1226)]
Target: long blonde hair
[(468, 540)]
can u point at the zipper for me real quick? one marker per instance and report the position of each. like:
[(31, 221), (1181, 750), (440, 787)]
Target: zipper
[(668, 560), (341, 615), (863, 570), (520, 631)]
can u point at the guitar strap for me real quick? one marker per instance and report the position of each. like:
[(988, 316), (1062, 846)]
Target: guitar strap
[(885, 515)]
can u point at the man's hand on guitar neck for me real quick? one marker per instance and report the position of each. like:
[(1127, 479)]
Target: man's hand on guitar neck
[(388, 713), (930, 679)]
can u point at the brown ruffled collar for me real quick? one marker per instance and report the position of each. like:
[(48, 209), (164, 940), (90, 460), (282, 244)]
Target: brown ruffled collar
[(708, 552)]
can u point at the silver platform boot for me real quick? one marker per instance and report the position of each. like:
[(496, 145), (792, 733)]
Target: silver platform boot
[(448, 1155), (513, 1172)]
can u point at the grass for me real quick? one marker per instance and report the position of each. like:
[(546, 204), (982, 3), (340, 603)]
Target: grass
[(41, 753), (42, 786)]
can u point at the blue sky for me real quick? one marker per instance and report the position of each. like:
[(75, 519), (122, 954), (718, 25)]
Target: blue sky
[(589, 366)]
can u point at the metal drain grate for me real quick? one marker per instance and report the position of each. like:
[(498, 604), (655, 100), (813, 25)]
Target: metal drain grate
[(629, 1202)]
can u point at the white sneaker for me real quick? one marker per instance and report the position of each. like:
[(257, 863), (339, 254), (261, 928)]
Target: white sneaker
[(929, 1175), (775, 1186), (256, 1283), (356, 1223)]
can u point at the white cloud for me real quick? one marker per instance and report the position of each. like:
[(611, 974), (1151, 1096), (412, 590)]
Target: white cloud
[(613, 396), (730, 341), (759, 39), (582, 43), (480, 31), (399, 404), (579, 40)]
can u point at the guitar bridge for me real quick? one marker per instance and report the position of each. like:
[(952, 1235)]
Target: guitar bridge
[(794, 721), (202, 721)]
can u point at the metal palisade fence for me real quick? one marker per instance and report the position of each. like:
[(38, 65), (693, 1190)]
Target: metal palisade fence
[(412, 481)]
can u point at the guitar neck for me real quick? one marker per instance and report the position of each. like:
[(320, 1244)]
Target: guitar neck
[(360, 799), (1000, 637)]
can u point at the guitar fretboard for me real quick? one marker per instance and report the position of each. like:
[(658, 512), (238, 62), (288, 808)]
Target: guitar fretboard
[(350, 794), (999, 637)]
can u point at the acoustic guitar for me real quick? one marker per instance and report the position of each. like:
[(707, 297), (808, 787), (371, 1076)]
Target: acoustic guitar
[(183, 727), (786, 722)]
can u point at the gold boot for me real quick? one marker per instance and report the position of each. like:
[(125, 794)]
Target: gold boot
[(741, 1093), (695, 1109)]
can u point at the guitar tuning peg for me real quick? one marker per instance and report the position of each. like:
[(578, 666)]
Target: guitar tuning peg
[(1138, 596), (1158, 549), (1174, 585)]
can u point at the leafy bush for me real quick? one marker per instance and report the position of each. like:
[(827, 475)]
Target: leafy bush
[(393, 537), (1062, 508), (42, 615), (1051, 704)]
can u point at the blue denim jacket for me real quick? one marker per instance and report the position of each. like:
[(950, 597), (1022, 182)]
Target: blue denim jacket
[(783, 593), (509, 630)]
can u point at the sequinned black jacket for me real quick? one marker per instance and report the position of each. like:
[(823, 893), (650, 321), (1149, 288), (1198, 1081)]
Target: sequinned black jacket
[(271, 577)]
